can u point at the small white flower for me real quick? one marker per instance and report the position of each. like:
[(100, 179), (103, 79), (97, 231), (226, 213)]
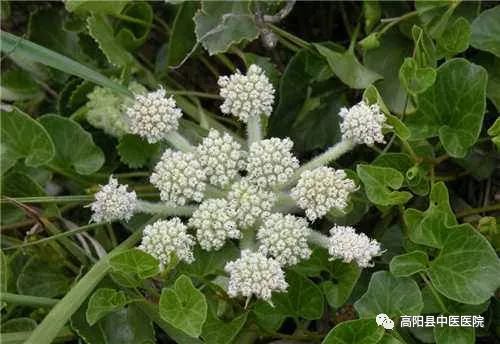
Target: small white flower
[(113, 202), (166, 237), (247, 95), (179, 177), (345, 244), (254, 274), (153, 116), (251, 202), (362, 123), (322, 189), (214, 221), (221, 157), (270, 162), (285, 238)]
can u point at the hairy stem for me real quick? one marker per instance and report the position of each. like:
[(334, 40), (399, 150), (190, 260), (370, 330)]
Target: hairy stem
[(247, 241), (254, 130), (319, 239), (163, 209), (179, 141), (472, 211)]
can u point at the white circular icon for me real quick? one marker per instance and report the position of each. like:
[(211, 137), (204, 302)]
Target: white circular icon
[(383, 320)]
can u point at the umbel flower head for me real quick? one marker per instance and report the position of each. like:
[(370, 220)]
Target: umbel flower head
[(214, 221), (153, 116), (255, 274), (166, 237), (362, 123), (251, 202), (285, 238), (113, 202), (345, 244), (247, 95), (179, 177), (270, 162), (322, 189), (221, 157)]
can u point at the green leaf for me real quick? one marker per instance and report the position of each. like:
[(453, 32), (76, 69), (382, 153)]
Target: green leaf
[(131, 35), (454, 335), (386, 61), (19, 48), (4, 272), (345, 277), (208, 263), (394, 296), (455, 39), (42, 278), (101, 6), (494, 132), (372, 13), (23, 137), (408, 264), (219, 24), (102, 32), (303, 299), (184, 306), (18, 85), (415, 79), (182, 38), (347, 68), (18, 325), (134, 151), (379, 183), (467, 268), (360, 331), (84, 157), (103, 302), (425, 51), (217, 331), (435, 15), (133, 266), (128, 326), (486, 31), (453, 108)]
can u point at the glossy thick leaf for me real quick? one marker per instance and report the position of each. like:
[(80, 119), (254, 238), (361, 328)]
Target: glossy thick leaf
[(102, 32), (103, 302), (379, 184), (386, 61), (128, 326), (394, 296), (408, 264), (217, 331), (42, 278), (303, 299), (184, 306), (361, 331), (84, 157), (492, 65), (340, 288), (486, 31), (347, 68), (23, 137), (454, 335), (453, 108), (467, 268), (133, 266), (219, 24), (425, 51), (134, 151), (182, 39), (19, 48), (455, 39), (415, 79)]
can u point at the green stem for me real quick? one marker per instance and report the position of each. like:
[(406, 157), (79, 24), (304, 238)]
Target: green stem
[(296, 40), (254, 130), (27, 300), (472, 211), (179, 141), (163, 209), (319, 239), (395, 21), (195, 94), (55, 320), (330, 155), (435, 293), (247, 241), (64, 336), (227, 62)]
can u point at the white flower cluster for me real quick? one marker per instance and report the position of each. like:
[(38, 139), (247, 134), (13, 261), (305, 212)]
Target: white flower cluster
[(179, 177), (322, 189), (113, 202), (153, 116), (166, 237), (285, 238), (221, 157), (362, 123), (270, 162), (345, 244), (248, 95), (255, 274), (251, 202), (214, 221)]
